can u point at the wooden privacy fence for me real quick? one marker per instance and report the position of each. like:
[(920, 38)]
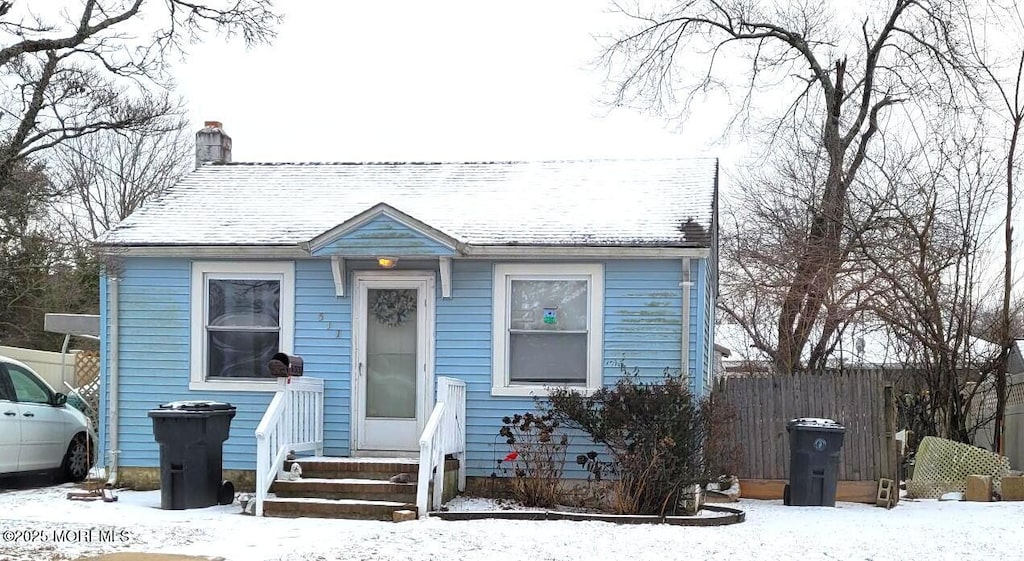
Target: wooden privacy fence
[(859, 400)]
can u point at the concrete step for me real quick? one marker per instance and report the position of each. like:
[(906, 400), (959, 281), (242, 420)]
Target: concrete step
[(356, 468), (333, 508), (357, 488), (348, 488)]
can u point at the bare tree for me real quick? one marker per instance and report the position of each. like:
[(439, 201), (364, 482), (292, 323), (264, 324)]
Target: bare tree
[(928, 252), (99, 65), (1001, 63), (106, 176), (89, 76), (769, 215), (843, 78)]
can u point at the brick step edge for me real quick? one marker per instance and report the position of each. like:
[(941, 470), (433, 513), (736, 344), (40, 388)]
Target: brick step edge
[(326, 508)]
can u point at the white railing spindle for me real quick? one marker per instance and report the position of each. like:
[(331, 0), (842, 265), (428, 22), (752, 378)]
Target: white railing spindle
[(294, 420)]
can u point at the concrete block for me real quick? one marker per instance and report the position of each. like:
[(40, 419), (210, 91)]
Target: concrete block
[(404, 515), (1013, 487), (979, 488)]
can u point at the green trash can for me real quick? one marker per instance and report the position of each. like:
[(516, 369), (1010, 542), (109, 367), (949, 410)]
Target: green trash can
[(191, 436)]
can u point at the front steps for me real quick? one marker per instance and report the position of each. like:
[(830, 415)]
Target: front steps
[(353, 488)]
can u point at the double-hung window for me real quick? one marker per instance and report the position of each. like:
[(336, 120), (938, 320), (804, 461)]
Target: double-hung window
[(242, 313), (547, 327)]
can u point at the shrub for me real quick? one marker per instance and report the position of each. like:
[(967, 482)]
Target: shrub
[(536, 460), (654, 433), (722, 450)]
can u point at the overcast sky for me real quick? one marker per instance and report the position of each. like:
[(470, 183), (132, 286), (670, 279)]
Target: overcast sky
[(412, 80)]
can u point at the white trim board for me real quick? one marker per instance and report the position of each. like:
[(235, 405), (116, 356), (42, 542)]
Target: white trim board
[(362, 281), (368, 215), (517, 252), (503, 274), (278, 270)]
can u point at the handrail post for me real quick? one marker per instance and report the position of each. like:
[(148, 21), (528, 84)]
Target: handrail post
[(461, 412), (319, 428), (427, 453), (438, 462), (261, 476)]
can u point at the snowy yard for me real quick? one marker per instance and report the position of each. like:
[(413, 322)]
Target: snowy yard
[(922, 530)]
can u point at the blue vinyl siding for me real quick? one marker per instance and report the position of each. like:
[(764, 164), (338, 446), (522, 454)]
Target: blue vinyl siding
[(706, 342), (463, 351), (642, 328), (154, 363), (154, 357), (323, 338), (383, 235), (642, 308)]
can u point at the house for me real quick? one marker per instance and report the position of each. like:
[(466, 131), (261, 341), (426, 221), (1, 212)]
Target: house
[(1013, 422), (384, 277), (860, 345), (864, 345)]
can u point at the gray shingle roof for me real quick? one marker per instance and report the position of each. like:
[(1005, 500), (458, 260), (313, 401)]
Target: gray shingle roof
[(592, 203)]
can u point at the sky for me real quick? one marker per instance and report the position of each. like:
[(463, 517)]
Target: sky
[(402, 80), (448, 80)]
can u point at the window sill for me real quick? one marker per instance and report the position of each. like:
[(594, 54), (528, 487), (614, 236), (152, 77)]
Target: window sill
[(534, 391), (230, 386)]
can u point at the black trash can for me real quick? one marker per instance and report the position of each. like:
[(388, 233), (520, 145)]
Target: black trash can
[(191, 436), (814, 446)]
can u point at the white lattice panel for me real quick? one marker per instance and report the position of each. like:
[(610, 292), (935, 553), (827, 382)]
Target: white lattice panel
[(1015, 395), (942, 466)]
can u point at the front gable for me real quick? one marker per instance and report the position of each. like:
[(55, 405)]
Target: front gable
[(383, 230)]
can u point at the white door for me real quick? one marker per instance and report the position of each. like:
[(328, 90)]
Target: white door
[(42, 425), (393, 353), (10, 427)]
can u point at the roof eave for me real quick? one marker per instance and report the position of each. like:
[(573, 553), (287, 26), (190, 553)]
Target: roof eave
[(297, 251), (588, 251), (276, 251)]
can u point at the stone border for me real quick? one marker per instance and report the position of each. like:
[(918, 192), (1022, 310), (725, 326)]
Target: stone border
[(731, 516)]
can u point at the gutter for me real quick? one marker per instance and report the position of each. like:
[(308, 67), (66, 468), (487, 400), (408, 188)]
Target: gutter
[(113, 400)]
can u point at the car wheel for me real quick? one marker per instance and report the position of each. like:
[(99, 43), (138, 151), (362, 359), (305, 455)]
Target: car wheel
[(76, 462)]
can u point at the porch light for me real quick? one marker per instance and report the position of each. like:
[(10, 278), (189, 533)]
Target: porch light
[(387, 262)]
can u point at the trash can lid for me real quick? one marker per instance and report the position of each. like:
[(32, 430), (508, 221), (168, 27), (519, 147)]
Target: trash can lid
[(815, 423), (197, 405)]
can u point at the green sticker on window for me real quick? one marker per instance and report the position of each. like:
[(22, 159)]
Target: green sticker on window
[(550, 317)]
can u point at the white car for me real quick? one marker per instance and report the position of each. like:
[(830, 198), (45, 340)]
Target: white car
[(39, 432)]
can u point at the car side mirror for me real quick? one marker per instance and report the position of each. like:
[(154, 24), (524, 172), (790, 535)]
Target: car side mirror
[(59, 400)]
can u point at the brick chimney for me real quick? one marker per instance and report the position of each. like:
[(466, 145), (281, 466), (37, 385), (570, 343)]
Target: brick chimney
[(213, 145)]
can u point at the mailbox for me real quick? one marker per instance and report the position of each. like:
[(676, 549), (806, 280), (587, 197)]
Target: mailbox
[(283, 365)]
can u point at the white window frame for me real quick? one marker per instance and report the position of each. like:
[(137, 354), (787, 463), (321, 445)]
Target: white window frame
[(202, 271), (504, 274)]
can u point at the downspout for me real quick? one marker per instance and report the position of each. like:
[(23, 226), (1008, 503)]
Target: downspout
[(684, 359), (113, 401)]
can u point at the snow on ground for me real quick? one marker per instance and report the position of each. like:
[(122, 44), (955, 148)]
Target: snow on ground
[(31, 520)]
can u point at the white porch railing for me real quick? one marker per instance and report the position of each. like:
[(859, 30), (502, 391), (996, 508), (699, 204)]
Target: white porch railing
[(444, 434), (293, 421)]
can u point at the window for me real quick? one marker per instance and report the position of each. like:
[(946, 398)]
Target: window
[(547, 327), (27, 387), (242, 313)]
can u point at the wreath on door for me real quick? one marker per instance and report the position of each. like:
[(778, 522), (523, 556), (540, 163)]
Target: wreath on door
[(392, 307)]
